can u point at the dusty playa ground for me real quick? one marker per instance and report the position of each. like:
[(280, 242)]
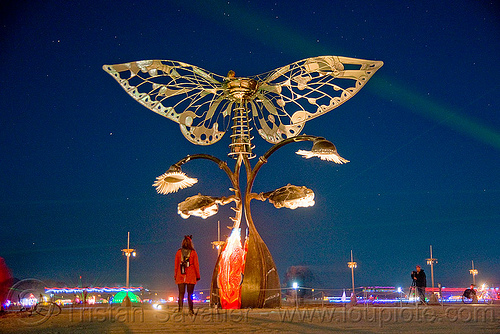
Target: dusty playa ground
[(145, 319)]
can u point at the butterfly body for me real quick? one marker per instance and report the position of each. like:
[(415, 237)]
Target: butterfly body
[(240, 89)]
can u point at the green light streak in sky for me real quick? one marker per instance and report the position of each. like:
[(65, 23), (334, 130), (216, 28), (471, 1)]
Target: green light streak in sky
[(283, 38), (440, 113)]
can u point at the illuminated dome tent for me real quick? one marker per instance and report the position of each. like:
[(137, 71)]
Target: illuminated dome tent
[(118, 298)]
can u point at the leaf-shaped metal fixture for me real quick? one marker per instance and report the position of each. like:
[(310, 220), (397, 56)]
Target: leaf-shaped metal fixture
[(290, 196), (201, 206), (173, 180), (325, 150), (198, 205)]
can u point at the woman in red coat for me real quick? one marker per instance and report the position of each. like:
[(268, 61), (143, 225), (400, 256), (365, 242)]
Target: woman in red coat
[(187, 271)]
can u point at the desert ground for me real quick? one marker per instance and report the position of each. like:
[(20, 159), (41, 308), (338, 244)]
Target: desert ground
[(358, 319)]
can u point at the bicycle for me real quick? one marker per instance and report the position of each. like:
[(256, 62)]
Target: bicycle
[(470, 296), (47, 308), (27, 309)]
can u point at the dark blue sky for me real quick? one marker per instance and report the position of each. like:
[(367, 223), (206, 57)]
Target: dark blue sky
[(423, 137)]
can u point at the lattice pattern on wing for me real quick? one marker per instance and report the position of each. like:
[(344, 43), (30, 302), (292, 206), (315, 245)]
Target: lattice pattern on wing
[(184, 93), (291, 95), (284, 99)]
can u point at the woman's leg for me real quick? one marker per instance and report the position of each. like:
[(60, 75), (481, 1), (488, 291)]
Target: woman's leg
[(190, 290), (182, 288)]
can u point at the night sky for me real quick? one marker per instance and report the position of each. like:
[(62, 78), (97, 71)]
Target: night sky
[(79, 156)]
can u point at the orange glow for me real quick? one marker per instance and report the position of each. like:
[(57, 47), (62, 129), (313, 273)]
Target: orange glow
[(231, 266)]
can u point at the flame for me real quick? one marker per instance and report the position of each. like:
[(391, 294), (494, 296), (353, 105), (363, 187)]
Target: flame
[(231, 266)]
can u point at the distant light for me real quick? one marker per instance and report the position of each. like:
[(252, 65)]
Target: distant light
[(133, 254), (400, 290), (157, 306), (295, 285)]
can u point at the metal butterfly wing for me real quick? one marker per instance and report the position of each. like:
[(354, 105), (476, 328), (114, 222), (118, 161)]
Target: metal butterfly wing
[(280, 101), (291, 95), (183, 93)]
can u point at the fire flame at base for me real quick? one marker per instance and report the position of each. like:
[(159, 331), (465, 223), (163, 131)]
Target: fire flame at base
[(231, 267)]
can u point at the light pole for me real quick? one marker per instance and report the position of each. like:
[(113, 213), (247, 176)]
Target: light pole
[(218, 244), (352, 265), (127, 252), (295, 286), (431, 261), (473, 272)]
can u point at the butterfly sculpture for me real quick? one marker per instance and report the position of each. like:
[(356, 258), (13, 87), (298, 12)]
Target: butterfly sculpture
[(278, 102)]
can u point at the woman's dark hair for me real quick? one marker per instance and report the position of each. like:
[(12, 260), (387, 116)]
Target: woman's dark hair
[(187, 243)]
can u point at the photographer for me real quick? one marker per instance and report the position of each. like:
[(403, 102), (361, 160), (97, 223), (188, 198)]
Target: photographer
[(420, 282)]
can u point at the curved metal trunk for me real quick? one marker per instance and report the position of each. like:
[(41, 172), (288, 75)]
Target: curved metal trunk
[(261, 284)]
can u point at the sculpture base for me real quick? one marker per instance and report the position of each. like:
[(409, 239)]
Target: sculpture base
[(260, 286)]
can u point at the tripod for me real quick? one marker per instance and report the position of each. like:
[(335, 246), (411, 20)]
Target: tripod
[(413, 289)]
